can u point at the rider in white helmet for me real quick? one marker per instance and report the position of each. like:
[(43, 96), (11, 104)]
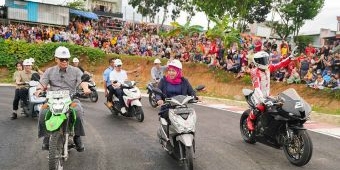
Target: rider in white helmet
[(117, 77), (261, 82), (157, 71), (63, 77), (173, 84)]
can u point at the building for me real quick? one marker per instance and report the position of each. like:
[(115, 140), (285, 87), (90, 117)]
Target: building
[(107, 8), (324, 37), (35, 12)]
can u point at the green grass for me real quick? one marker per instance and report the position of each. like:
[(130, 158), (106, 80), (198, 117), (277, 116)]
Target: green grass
[(325, 110)]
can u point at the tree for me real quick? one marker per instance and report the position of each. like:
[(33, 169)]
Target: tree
[(77, 4), (224, 31), (246, 11), (293, 14), (152, 7), (184, 30)]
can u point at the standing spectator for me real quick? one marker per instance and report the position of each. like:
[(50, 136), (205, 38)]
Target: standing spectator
[(258, 45), (274, 45), (275, 58), (304, 66), (284, 49), (310, 50)]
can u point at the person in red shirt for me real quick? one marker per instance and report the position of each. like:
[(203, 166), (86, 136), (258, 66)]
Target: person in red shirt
[(258, 45), (310, 50)]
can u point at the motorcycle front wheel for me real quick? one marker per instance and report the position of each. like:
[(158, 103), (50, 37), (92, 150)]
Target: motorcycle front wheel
[(299, 151), (152, 100), (247, 135), (94, 96), (56, 148), (139, 113), (189, 158)]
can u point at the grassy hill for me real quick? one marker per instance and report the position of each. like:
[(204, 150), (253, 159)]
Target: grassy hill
[(219, 83)]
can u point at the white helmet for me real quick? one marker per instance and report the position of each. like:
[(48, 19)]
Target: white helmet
[(261, 60), (75, 60), (32, 60), (176, 63), (27, 62), (118, 62), (62, 52), (157, 61)]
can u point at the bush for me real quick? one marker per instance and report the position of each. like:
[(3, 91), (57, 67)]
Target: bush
[(13, 51)]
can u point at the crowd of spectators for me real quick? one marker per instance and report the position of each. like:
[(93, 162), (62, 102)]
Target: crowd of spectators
[(317, 67)]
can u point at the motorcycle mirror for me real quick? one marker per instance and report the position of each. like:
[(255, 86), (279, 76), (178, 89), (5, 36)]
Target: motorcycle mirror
[(35, 77), (200, 87), (85, 77), (158, 91)]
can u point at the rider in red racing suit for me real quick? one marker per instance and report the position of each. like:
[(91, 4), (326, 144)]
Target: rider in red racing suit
[(261, 81)]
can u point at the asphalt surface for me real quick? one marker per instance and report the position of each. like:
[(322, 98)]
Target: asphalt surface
[(119, 143)]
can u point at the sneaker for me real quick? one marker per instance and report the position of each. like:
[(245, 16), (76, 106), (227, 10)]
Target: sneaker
[(79, 144), (108, 104), (14, 116), (123, 110), (45, 145)]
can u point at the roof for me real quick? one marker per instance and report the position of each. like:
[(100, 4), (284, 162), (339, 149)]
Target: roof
[(85, 14)]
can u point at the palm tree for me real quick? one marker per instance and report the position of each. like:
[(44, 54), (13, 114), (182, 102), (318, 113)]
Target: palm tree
[(224, 31), (184, 30)]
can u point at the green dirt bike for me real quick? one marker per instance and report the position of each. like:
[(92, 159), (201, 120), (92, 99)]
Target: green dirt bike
[(59, 121)]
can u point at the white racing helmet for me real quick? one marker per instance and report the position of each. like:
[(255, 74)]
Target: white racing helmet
[(62, 52), (157, 61), (75, 60), (118, 62), (175, 63), (27, 62), (261, 60)]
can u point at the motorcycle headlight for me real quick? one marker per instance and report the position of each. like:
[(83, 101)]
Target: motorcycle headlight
[(59, 108), (181, 124)]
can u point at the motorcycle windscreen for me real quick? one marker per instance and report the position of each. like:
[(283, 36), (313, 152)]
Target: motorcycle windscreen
[(293, 103)]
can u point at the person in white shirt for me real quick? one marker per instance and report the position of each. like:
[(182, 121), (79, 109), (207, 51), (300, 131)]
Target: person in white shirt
[(117, 77)]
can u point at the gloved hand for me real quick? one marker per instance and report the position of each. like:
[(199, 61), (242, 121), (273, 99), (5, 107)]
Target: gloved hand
[(268, 103), (294, 53)]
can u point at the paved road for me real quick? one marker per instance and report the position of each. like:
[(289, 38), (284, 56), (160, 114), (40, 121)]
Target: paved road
[(125, 144)]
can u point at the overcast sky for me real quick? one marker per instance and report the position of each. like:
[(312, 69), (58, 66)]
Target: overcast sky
[(325, 19)]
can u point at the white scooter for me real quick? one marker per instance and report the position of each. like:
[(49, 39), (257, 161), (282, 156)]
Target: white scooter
[(181, 140), (132, 97), (34, 102)]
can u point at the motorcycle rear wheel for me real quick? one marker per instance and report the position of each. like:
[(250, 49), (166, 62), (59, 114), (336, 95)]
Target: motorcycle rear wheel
[(189, 158), (94, 96), (300, 150), (247, 135), (151, 100), (56, 148)]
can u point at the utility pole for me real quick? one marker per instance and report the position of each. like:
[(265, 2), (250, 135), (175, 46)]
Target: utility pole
[(125, 14)]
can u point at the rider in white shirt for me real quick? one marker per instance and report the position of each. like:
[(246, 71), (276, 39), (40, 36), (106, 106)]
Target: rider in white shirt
[(117, 77)]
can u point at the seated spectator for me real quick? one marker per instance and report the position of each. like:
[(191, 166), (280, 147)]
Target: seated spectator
[(319, 83), (294, 77), (327, 77), (308, 78), (280, 75), (275, 57), (243, 71), (333, 83)]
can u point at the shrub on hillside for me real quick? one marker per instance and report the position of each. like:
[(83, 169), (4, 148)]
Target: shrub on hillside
[(13, 51)]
